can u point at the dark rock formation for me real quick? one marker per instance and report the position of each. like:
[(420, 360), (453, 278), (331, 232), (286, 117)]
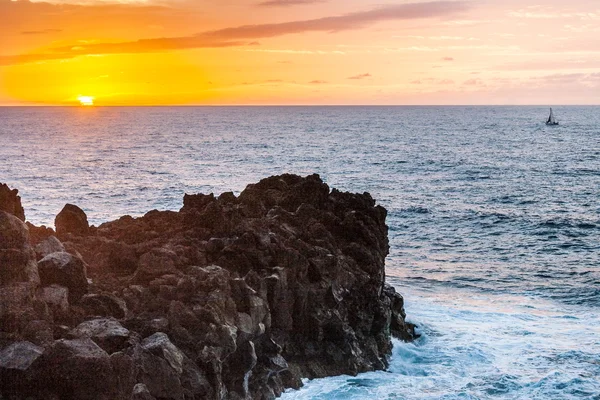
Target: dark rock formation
[(230, 298), (19, 281), (10, 202), (71, 219), (48, 246), (15, 366), (17, 258), (64, 269)]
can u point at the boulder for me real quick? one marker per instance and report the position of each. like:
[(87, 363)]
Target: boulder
[(19, 356), (168, 373), (160, 345), (17, 258), (103, 305), (141, 392), (71, 220), (48, 246), (107, 333), (66, 270), (57, 299), (16, 372), (78, 369)]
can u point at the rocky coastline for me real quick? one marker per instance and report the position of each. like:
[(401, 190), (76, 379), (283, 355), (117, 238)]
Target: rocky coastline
[(232, 297)]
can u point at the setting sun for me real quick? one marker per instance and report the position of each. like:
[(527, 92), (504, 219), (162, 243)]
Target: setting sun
[(86, 100)]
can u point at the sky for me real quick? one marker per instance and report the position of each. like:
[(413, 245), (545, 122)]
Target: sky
[(212, 52)]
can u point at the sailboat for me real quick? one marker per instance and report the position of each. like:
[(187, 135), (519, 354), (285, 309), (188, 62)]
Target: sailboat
[(551, 120)]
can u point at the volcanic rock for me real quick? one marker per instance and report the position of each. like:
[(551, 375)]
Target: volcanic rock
[(15, 367), (57, 299), (107, 333), (71, 219), (78, 369), (10, 202), (64, 269), (48, 246), (17, 258), (229, 298)]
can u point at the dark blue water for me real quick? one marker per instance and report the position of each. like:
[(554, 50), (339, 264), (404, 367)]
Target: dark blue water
[(494, 219)]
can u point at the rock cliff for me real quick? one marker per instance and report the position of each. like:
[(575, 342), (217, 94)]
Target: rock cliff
[(229, 298)]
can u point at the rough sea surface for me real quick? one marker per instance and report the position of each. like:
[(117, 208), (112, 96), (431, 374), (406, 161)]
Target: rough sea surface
[(494, 219)]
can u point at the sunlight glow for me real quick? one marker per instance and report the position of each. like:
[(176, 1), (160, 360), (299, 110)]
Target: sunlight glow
[(86, 100)]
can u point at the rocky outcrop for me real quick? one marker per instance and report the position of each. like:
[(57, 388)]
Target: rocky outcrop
[(19, 281), (10, 202), (229, 298)]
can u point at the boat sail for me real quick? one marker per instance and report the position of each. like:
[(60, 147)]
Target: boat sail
[(551, 120)]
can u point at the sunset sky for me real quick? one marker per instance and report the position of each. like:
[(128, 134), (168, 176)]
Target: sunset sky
[(160, 52)]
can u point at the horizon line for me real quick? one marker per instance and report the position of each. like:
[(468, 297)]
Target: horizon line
[(292, 105)]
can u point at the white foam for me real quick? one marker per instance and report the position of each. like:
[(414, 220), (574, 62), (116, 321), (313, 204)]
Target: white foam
[(482, 347)]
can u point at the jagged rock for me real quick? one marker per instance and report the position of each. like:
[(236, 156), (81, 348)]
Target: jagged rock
[(236, 297), (15, 367), (160, 345), (66, 270), (17, 258), (38, 234), (17, 309), (10, 202), (78, 369), (167, 372), (39, 331), (57, 298), (107, 333), (141, 392), (103, 305), (48, 246), (19, 356), (71, 219), (154, 264)]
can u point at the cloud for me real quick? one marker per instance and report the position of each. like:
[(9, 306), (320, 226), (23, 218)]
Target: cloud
[(41, 32), (355, 20), (440, 38), (550, 13), (235, 36), (360, 76), (287, 3), (317, 82), (448, 59), (473, 82)]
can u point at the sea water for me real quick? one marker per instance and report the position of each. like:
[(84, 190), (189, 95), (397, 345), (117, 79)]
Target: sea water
[(494, 219)]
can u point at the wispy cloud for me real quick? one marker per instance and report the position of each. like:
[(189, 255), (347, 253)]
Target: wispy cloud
[(41, 32), (237, 36), (287, 3), (550, 13), (360, 76), (440, 38), (317, 82), (355, 20)]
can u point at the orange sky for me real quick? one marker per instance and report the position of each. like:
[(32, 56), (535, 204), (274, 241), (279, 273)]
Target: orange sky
[(299, 52)]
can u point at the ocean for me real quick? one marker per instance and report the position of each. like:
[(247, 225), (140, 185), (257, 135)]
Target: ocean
[(494, 219)]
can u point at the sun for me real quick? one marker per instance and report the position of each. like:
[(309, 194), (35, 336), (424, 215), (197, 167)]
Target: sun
[(86, 100)]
